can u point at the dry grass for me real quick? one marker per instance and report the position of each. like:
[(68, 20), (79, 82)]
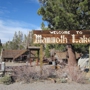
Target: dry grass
[(29, 74), (75, 74)]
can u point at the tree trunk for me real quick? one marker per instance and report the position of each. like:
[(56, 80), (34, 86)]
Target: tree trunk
[(71, 55)]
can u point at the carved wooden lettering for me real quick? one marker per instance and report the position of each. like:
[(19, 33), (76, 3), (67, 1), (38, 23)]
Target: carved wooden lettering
[(61, 37)]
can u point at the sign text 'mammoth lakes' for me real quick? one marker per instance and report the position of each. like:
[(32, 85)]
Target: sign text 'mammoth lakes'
[(61, 37)]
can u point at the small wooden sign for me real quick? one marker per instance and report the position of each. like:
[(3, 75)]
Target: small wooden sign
[(61, 37)]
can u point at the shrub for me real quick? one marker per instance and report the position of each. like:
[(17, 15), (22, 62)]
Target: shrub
[(29, 74), (63, 80), (75, 74), (26, 74), (6, 80)]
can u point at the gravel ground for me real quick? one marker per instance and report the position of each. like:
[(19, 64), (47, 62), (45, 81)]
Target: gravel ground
[(45, 86)]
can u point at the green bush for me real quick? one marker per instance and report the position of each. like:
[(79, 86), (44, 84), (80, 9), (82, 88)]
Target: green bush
[(63, 80), (6, 80)]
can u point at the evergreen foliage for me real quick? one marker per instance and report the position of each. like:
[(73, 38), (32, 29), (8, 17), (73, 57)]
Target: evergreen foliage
[(19, 41), (47, 52), (66, 15)]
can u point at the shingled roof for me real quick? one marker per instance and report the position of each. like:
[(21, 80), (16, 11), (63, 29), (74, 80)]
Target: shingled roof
[(12, 53)]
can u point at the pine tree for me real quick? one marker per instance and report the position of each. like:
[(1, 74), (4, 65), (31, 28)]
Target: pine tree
[(66, 15)]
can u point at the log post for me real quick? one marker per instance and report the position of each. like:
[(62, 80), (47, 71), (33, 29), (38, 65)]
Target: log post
[(71, 56), (89, 58), (41, 58)]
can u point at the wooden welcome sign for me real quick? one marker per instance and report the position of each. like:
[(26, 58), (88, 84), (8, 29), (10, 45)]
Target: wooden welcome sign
[(61, 37)]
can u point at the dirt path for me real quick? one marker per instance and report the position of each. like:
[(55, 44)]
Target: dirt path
[(45, 86)]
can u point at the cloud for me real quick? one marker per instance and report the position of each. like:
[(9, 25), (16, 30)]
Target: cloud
[(9, 27), (3, 10)]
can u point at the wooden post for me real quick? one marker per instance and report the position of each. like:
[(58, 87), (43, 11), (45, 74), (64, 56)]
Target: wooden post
[(30, 59), (30, 62), (37, 60), (41, 58), (89, 58)]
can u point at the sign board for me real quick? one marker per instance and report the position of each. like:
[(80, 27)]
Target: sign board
[(61, 37)]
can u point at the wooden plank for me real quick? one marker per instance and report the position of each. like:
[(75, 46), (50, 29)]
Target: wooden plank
[(61, 32), (61, 37), (68, 36)]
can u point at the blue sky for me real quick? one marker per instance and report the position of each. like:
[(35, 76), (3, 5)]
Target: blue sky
[(18, 15)]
